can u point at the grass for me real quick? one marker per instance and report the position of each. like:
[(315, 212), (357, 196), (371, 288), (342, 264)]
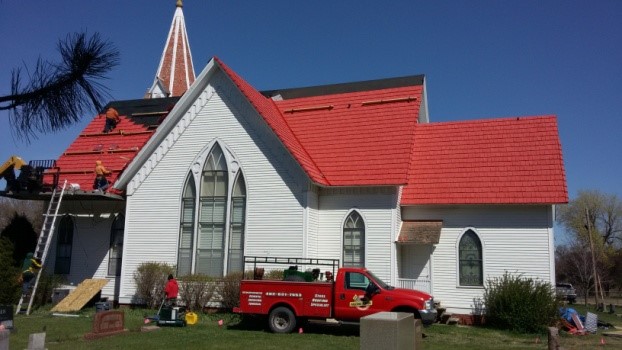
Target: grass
[(68, 333)]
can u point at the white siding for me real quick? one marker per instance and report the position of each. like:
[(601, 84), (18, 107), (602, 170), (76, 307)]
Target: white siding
[(275, 184), (312, 224), (376, 206), (91, 241), (515, 239)]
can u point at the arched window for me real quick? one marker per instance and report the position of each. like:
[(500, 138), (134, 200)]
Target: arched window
[(236, 231), (354, 241), (64, 243), (116, 246), (212, 215), (470, 260), (186, 228)]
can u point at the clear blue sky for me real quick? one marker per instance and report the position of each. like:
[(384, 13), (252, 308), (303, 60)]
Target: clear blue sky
[(482, 59)]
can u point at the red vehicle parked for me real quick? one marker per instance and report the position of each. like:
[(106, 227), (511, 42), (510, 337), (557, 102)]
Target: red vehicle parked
[(353, 293)]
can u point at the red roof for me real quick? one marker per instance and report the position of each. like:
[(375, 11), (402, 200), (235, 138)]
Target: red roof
[(115, 149), (368, 136), (496, 161), (268, 110), (330, 134), (358, 138)]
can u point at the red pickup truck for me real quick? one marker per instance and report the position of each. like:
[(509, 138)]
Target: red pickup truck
[(353, 293)]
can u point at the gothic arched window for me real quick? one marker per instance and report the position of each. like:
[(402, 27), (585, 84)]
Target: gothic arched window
[(470, 260), (354, 241)]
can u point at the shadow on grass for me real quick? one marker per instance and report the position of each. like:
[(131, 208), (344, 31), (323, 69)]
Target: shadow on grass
[(255, 323)]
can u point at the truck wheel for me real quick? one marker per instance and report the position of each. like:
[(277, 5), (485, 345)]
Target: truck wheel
[(282, 320)]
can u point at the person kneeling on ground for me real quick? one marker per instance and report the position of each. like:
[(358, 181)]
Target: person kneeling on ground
[(170, 291)]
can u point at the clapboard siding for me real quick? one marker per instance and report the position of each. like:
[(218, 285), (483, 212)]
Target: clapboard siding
[(91, 241), (515, 239), (275, 183), (312, 225), (376, 206)]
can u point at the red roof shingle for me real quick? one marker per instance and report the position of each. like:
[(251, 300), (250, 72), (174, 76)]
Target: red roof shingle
[(496, 161)]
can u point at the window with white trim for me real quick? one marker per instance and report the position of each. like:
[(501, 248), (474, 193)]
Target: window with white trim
[(354, 240), (470, 260), (212, 226)]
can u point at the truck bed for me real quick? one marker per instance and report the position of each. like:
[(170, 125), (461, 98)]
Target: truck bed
[(306, 299)]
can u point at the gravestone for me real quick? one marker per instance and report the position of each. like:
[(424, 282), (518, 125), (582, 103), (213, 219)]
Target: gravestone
[(6, 316), (388, 330), (107, 323), (4, 339), (36, 341)]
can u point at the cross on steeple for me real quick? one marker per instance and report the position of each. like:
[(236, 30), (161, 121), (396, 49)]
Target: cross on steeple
[(176, 72)]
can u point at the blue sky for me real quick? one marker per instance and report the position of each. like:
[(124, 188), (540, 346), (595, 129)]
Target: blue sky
[(482, 59)]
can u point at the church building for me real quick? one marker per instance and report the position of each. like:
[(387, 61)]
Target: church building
[(208, 169)]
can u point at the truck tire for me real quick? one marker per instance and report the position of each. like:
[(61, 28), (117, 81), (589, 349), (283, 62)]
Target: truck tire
[(282, 320)]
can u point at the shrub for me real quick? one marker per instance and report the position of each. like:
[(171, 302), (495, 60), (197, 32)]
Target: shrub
[(10, 288), (150, 278), (519, 304), (274, 275), (195, 291), (45, 288), (229, 290)]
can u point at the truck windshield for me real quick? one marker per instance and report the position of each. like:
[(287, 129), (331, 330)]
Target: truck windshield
[(379, 282)]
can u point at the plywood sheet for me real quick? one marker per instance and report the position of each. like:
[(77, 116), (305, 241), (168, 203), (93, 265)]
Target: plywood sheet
[(80, 296)]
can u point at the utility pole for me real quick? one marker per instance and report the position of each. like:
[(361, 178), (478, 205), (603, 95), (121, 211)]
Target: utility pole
[(589, 234)]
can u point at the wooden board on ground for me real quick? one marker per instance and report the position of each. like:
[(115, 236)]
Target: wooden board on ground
[(80, 296)]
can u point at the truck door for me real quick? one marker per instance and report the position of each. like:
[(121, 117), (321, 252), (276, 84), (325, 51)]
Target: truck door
[(351, 303)]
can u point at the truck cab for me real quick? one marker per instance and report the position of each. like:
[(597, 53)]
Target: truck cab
[(358, 293)]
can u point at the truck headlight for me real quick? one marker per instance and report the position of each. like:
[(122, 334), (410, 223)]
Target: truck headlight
[(429, 304)]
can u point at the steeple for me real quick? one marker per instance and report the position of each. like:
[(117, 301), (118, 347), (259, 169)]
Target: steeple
[(176, 72)]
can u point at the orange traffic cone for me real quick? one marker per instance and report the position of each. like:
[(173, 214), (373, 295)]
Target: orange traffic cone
[(602, 341)]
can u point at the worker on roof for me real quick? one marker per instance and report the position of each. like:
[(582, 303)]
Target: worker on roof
[(30, 267), (112, 119), (101, 182)]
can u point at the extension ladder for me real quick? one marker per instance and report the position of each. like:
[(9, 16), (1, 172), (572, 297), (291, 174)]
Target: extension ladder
[(43, 244)]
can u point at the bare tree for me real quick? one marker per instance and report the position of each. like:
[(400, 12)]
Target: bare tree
[(605, 216), (58, 95)]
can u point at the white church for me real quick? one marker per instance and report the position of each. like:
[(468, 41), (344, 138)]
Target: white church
[(208, 169)]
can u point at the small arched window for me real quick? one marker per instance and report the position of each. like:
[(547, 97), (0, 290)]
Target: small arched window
[(64, 243), (186, 229), (236, 231), (116, 246), (470, 260), (354, 241)]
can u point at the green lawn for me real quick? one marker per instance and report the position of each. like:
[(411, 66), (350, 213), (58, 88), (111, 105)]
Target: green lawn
[(68, 333)]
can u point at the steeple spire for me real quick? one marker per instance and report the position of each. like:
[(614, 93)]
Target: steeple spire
[(176, 72)]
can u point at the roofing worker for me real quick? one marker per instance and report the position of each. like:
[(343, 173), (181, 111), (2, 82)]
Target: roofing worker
[(30, 267), (101, 182), (112, 119), (170, 290)]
